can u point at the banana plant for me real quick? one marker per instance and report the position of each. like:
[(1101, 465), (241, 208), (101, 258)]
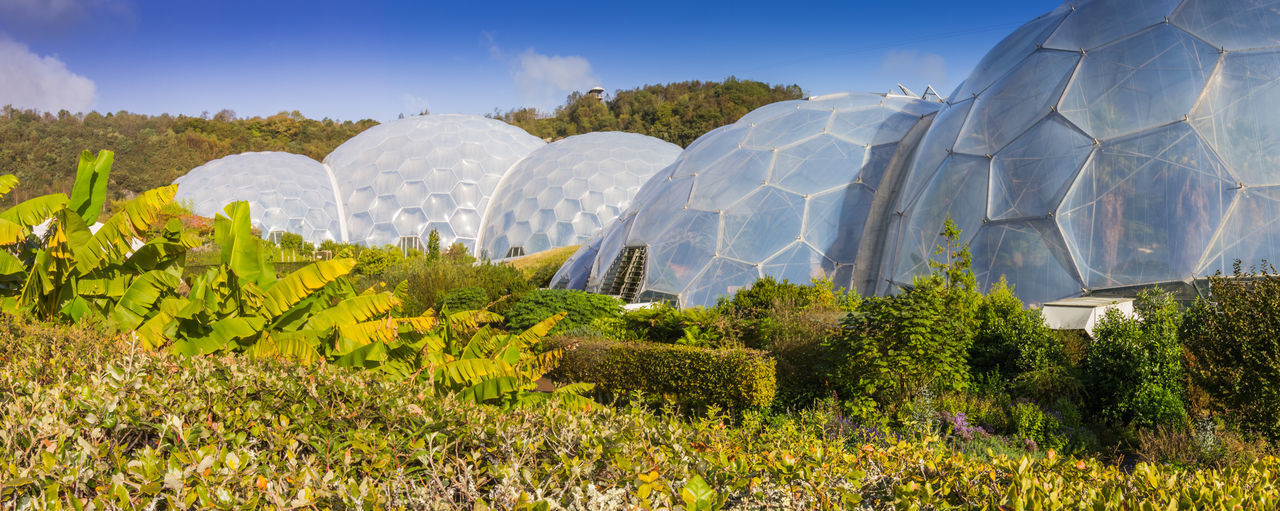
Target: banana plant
[(74, 271)]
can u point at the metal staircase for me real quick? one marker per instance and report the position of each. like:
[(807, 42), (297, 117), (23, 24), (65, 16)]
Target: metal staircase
[(626, 273)]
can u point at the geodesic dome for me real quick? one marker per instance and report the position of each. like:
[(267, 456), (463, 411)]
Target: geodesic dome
[(407, 177), (563, 193), (1107, 144), (286, 192), (786, 191)]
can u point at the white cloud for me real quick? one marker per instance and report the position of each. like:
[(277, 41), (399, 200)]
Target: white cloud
[(915, 68), (545, 80), (60, 12), (28, 80)]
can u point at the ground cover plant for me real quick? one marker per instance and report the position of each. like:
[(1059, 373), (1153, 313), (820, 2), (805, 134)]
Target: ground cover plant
[(98, 421)]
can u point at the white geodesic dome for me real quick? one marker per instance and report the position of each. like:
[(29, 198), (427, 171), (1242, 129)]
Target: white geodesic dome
[(563, 193), (786, 191), (408, 177), (1107, 144), (286, 192)]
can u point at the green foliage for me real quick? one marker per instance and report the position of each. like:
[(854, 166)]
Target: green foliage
[(1233, 348), (291, 241), (733, 378), (89, 420), (1133, 370), (1016, 345), (375, 261), (582, 308), (464, 299), (42, 149), (897, 347), (676, 112), (433, 245), (1031, 423), (428, 281)]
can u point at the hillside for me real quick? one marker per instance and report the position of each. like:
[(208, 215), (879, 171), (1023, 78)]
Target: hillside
[(676, 112), (41, 148)]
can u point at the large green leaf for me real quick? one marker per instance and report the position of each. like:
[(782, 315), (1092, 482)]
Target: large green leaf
[(300, 346), (491, 388), (89, 193), (139, 300), (36, 210), (470, 371), (10, 265), (353, 310), (368, 356), (241, 250), (114, 239), (298, 285), (7, 183)]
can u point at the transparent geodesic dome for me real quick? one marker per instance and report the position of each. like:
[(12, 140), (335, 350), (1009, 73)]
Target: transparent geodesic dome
[(1107, 144), (786, 191), (563, 193), (286, 192), (407, 177)]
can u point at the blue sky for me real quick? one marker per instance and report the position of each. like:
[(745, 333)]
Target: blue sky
[(371, 59)]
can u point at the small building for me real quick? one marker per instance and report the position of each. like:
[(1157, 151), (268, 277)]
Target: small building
[(1083, 313), (596, 92)]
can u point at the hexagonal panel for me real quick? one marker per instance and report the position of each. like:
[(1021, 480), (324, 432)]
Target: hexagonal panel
[(459, 159), (1144, 208), (1029, 176), (571, 176), (285, 192), (1237, 116), (1232, 24), (1014, 104), (755, 227), (1148, 80)]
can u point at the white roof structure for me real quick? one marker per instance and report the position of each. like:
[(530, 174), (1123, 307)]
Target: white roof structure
[(563, 193), (286, 192), (1107, 144), (1083, 313), (784, 192), (408, 177)]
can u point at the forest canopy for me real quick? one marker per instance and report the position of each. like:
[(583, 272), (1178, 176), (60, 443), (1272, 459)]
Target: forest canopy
[(41, 148), (676, 112)]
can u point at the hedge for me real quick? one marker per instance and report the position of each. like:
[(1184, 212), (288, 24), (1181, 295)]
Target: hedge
[(730, 378)]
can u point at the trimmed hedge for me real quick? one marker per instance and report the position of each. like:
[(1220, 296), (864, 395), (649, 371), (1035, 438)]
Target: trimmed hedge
[(730, 378)]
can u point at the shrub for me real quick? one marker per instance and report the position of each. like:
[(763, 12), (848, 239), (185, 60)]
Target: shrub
[(582, 307), (465, 298), (376, 261), (428, 281), (1233, 348), (733, 378), (659, 323), (1031, 423), (1133, 369), (1011, 341), (895, 347)]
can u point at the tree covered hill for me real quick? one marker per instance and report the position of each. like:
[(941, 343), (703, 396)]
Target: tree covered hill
[(41, 149), (151, 151), (676, 112)]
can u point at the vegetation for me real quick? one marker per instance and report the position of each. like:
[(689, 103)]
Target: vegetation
[(582, 308), (676, 112), (734, 379), (96, 420), (40, 148), (383, 379), (1233, 348)]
